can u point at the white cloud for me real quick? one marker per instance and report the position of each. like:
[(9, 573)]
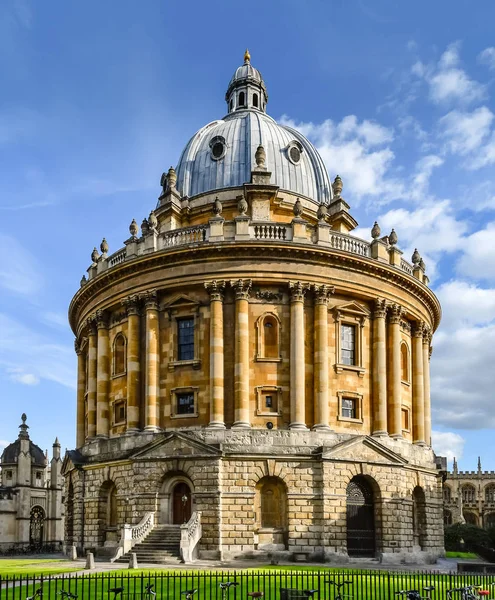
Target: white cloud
[(478, 258), (19, 270), (465, 304), (449, 444), (487, 57), (465, 132), (17, 375)]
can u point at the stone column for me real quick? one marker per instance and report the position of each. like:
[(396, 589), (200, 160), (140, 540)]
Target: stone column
[(297, 358), (394, 400), (152, 350), (426, 376), (216, 291), (321, 378), (379, 371), (103, 375), (92, 373), (418, 400), (242, 288), (131, 304), (81, 393)]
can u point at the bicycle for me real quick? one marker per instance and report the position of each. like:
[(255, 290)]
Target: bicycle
[(37, 594), (188, 594), (338, 587), (225, 587), (415, 594), (67, 595), (470, 592)]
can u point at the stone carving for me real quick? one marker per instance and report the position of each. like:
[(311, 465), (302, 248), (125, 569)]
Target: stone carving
[(405, 326), (395, 312), (322, 212), (118, 318), (422, 264), (95, 255), (260, 157), (375, 231), (297, 290), (217, 207), (131, 304), (150, 298), (77, 346), (91, 324), (417, 329), (392, 238), (152, 220), (337, 185), (416, 257), (216, 289), (242, 206), (104, 247), (101, 317), (323, 293), (83, 281), (269, 296), (380, 308), (297, 208), (242, 288), (133, 229), (145, 228), (171, 178)]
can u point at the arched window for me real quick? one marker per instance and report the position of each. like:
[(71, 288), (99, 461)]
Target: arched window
[(107, 511), (360, 517), (255, 100), (268, 337), (404, 362), (112, 507), (36, 526), (447, 494), (119, 354), (242, 100), (447, 518), (468, 493), (231, 104), (490, 493)]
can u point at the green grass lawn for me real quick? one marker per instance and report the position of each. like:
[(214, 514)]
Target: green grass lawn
[(33, 566), (461, 555)]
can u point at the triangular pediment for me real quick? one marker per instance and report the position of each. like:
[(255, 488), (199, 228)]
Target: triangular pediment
[(72, 460), (174, 445), (363, 449), (352, 308), (180, 300)]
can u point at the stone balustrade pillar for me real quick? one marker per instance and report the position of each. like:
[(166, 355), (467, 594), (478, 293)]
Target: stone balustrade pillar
[(131, 304), (321, 375), (394, 389), (152, 354), (103, 375), (92, 374), (379, 370), (81, 393), (242, 288), (426, 376), (216, 290), (297, 358), (418, 402)]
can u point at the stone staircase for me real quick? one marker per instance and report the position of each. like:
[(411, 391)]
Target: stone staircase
[(160, 546)]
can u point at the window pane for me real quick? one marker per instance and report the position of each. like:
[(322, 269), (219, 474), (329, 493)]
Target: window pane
[(186, 339), (185, 404), (347, 344), (349, 408)]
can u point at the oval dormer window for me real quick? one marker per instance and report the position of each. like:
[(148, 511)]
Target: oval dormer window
[(217, 147), (294, 151)]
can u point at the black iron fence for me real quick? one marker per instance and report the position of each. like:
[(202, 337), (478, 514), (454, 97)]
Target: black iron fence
[(274, 585)]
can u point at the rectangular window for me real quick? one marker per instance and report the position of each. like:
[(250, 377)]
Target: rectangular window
[(8, 474), (269, 401), (349, 408), (185, 339), (405, 419), (119, 412), (348, 344), (185, 404)]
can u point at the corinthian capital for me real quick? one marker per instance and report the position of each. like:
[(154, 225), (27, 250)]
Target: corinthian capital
[(427, 334), (131, 304), (297, 290), (418, 329), (216, 289), (395, 312), (150, 298), (323, 293), (101, 317), (91, 324), (380, 308), (77, 346), (242, 288)]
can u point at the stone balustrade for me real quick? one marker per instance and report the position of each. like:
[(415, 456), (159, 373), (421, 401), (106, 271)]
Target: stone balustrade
[(190, 534), (133, 534)]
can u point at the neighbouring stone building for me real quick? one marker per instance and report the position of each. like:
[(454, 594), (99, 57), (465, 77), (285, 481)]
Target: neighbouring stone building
[(249, 368), (469, 497), (31, 512)]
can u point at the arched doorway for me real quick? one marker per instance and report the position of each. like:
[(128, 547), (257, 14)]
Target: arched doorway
[(419, 517), (107, 514), (181, 503), (361, 534), (36, 526), (271, 513)]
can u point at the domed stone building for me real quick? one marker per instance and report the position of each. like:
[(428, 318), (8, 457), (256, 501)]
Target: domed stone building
[(252, 377)]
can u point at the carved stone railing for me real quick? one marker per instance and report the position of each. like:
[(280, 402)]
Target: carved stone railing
[(347, 243), (117, 258), (133, 534), (405, 266), (190, 534), (187, 235), (271, 231)]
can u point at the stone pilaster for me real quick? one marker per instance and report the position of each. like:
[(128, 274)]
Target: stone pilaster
[(321, 379), (81, 392), (103, 375), (131, 304), (242, 288), (418, 402), (379, 370), (426, 379), (394, 389), (297, 358), (152, 340), (216, 290), (92, 376)]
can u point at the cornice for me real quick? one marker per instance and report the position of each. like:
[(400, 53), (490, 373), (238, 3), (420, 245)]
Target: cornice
[(234, 251)]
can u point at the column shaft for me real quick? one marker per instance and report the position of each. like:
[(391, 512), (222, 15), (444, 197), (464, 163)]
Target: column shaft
[(297, 358), (418, 386), (394, 400), (217, 418), (92, 373), (321, 378), (81, 393), (103, 377), (133, 363), (152, 341), (379, 374), (426, 376), (241, 369)]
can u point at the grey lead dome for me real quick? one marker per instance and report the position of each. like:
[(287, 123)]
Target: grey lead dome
[(221, 154)]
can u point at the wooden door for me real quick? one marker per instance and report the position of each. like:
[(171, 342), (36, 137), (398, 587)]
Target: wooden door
[(182, 503)]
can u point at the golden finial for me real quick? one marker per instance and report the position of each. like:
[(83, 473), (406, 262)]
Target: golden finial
[(247, 56)]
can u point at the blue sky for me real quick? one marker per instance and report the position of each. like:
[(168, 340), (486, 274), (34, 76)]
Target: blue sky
[(98, 99)]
